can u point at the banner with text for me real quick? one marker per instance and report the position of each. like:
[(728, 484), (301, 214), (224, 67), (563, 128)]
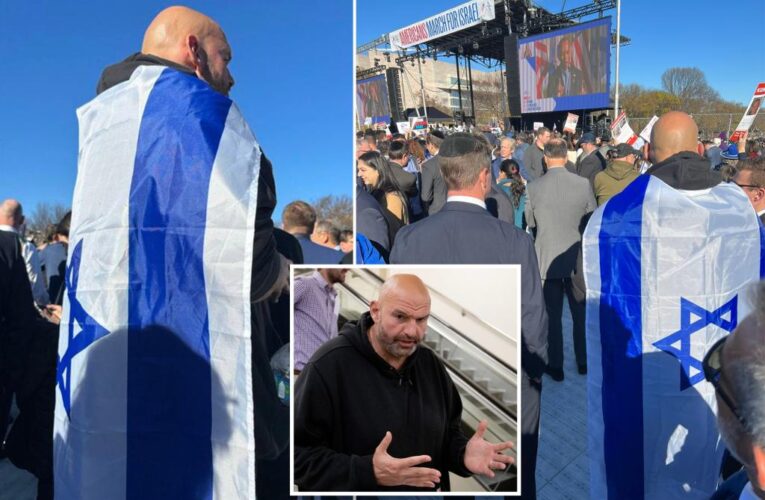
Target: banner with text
[(460, 17)]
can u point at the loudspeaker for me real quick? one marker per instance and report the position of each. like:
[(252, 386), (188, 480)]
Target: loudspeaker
[(513, 78), (393, 77)]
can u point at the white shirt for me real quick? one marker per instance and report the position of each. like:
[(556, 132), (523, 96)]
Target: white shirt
[(467, 199), (32, 261)]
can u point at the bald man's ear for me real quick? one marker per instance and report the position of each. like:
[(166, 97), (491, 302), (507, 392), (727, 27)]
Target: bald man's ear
[(193, 52), (374, 310), (649, 153), (700, 148)]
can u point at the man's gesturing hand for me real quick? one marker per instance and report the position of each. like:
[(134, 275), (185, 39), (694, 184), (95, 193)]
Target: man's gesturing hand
[(391, 471), (482, 457)]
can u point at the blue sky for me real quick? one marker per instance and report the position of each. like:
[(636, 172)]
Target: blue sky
[(294, 84), (726, 44)]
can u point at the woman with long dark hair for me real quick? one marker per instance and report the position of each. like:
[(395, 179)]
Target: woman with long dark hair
[(378, 179), (511, 182)]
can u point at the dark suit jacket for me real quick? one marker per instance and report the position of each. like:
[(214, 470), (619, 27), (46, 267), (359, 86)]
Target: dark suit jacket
[(462, 233), (590, 166), (313, 253), (407, 181), (433, 193), (731, 489), (499, 204), (556, 78), (762, 218), (370, 220), (16, 311)]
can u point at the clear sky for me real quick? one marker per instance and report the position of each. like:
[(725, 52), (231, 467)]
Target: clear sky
[(292, 65), (726, 42)]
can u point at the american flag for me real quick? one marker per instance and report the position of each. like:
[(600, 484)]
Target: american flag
[(540, 66)]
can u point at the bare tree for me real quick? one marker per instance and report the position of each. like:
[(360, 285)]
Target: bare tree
[(489, 97), (44, 216), (690, 86), (338, 209)]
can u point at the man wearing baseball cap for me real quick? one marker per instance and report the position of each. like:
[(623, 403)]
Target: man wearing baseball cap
[(619, 172), (590, 162)]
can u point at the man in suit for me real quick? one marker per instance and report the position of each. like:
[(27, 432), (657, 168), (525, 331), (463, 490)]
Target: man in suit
[(557, 207), (298, 219), (433, 192), (751, 178), (371, 221), (590, 163), (398, 158), (464, 232), (736, 368), (533, 157), (565, 79)]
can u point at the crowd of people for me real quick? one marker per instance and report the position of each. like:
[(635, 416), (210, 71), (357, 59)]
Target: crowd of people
[(526, 198)]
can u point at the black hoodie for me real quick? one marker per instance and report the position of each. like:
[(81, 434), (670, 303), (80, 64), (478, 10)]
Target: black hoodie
[(347, 397)]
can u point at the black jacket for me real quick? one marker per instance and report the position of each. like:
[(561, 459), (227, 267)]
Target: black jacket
[(686, 170), (16, 312), (347, 397)]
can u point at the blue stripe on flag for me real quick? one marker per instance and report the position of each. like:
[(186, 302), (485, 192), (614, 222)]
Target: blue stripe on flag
[(169, 452), (621, 340)]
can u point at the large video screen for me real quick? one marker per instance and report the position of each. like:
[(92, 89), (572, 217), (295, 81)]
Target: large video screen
[(566, 69), (372, 104)]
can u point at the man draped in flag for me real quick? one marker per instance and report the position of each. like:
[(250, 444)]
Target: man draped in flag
[(171, 241), (666, 262)]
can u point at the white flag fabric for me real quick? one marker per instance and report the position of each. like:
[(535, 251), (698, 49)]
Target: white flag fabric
[(154, 390), (667, 274)]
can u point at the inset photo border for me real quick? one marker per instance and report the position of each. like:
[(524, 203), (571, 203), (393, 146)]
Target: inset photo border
[(393, 370)]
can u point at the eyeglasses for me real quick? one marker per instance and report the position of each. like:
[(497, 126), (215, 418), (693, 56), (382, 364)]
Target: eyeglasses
[(712, 366), (751, 186)]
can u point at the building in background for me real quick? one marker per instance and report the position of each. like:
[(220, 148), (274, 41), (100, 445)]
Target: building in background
[(442, 87)]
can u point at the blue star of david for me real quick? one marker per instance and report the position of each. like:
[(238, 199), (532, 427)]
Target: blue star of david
[(687, 328), (90, 330)]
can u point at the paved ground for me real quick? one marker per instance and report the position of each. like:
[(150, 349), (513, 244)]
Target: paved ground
[(16, 484), (562, 468)]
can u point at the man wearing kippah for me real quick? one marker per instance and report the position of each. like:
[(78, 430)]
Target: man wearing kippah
[(464, 232)]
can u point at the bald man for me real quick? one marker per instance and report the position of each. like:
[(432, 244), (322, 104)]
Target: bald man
[(666, 262), (372, 394), (12, 221), (676, 154), (183, 67)]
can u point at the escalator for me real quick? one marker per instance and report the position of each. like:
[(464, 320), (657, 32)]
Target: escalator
[(487, 384)]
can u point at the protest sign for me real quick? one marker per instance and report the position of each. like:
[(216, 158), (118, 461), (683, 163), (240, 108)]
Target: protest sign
[(403, 127), (538, 125), (571, 121), (750, 114), (645, 134), (621, 130)]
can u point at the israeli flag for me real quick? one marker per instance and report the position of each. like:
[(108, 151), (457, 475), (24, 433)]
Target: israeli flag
[(667, 275), (154, 392)]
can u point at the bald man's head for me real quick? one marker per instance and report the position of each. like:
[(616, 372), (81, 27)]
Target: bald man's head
[(400, 316), (673, 133), (11, 213), (191, 39)]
